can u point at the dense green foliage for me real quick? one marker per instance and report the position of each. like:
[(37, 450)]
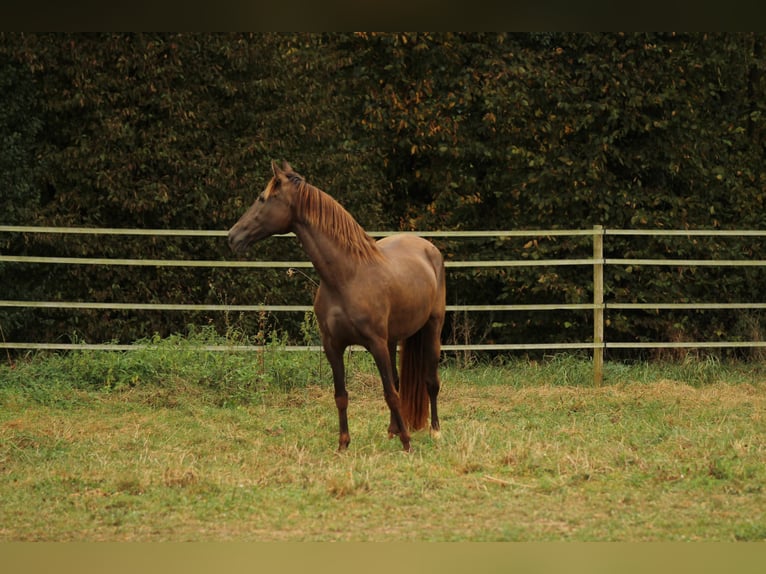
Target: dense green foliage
[(409, 131)]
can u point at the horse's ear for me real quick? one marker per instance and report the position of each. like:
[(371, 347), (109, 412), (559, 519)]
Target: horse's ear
[(275, 168), (287, 167)]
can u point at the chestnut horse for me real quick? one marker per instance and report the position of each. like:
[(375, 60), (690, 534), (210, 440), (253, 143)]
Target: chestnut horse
[(373, 294)]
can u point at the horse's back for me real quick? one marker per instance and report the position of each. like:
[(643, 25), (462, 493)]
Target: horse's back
[(412, 248), (419, 266)]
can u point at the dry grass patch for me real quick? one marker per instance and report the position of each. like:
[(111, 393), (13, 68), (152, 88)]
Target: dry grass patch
[(522, 457)]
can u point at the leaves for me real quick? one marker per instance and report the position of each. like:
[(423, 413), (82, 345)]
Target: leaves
[(407, 130)]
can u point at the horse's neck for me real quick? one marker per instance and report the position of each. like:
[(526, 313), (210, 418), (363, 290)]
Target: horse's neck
[(330, 259)]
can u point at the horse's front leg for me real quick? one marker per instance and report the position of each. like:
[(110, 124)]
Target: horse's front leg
[(335, 358), (380, 352)]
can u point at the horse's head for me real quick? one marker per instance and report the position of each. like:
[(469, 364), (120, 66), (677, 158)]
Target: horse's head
[(271, 213)]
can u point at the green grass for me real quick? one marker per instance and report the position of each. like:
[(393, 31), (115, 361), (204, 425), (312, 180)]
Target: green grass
[(175, 444)]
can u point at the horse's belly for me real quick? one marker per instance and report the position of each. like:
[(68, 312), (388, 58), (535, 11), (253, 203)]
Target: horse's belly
[(359, 321), (410, 311)]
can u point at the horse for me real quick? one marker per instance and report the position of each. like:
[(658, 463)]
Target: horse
[(375, 294)]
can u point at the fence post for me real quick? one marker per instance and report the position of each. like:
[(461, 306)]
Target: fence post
[(598, 305)]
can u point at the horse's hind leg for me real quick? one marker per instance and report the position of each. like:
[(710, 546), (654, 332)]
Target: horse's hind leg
[(431, 356), (335, 358), (393, 427), (380, 352), (392, 359)]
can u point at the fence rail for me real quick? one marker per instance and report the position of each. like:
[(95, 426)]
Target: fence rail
[(598, 262)]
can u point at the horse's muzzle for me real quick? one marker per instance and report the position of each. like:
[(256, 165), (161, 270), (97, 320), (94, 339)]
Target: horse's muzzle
[(235, 240)]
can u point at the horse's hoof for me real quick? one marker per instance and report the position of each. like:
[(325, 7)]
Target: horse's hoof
[(343, 443), (436, 434)]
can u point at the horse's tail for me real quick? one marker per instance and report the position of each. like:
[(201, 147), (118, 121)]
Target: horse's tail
[(413, 390)]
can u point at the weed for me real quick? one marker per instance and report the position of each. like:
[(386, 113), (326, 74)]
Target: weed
[(750, 532)]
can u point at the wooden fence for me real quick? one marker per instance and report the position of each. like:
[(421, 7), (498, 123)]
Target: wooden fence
[(597, 264)]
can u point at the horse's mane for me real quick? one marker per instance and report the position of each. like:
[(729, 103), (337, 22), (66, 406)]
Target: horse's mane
[(319, 210)]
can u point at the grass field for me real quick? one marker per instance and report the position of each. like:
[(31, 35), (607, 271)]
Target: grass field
[(178, 445)]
